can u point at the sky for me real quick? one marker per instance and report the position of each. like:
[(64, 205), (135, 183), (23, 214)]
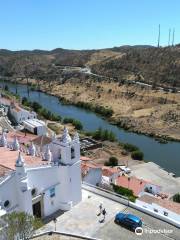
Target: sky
[(86, 24)]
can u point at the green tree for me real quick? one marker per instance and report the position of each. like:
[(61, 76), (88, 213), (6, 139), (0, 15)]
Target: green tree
[(6, 88), (19, 224), (176, 198), (137, 155)]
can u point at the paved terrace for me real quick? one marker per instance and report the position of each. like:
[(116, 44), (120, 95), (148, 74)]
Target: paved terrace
[(83, 220)]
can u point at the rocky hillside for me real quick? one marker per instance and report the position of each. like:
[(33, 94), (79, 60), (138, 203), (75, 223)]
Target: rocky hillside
[(157, 66)]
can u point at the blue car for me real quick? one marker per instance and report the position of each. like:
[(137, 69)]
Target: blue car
[(128, 220)]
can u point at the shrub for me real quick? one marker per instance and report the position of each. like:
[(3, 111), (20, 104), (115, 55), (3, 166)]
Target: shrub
[(76, 123), (104, 134), (137, 155), (6, 88), (113, 161), (130, 147), (40, 110), (176, 198), (123, 191)]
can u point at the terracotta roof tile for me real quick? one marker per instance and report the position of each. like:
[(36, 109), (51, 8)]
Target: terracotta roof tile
[(135, 184), (42, 140), (9, 157), (4, 170), (108, 171)]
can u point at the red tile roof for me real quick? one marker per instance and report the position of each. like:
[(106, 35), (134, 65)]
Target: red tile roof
[(108, 171), (135, 184), (9, 157), (23, 138), (83, 158), (170, 205), (4, 170)]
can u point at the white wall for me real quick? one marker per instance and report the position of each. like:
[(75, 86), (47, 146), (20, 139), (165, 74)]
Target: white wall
[(153, 188), (75, 182), (94, 176), (22, 114), (8, 191), (65, 179), (158, 209)]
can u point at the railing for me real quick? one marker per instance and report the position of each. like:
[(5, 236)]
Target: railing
[(50, 233), (125, 201)]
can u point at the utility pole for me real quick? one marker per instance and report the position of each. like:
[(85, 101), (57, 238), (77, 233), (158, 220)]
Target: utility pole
[(159, 35), (169, 39), (173, 37)]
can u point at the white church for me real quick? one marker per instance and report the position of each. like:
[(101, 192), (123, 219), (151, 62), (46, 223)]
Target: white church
[(42, 190)]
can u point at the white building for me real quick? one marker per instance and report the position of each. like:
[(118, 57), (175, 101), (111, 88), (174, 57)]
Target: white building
[(21, 114), (163, 207), (35, 126), (44, 189), (91, 173)]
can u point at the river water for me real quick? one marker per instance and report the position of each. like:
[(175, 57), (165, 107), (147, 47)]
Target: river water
[(165, 155)]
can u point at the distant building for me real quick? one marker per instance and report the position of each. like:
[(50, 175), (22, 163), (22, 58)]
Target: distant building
[(91, 173), (138, 186), (35, 126), (19, 114), (110, 174), (37, 188), (160, 206)]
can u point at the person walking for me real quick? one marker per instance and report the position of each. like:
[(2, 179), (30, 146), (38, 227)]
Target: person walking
[(104, 214), (100, 209)]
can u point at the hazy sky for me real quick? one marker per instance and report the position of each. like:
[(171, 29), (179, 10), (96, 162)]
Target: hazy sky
[(86, 24)]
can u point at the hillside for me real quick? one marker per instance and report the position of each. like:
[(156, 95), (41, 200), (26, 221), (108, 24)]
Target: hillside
[(107, 78), (157, 66)]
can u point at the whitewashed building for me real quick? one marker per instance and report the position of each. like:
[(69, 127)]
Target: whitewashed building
[(20, 114), (35, 126), (163, 207), (44, 189)]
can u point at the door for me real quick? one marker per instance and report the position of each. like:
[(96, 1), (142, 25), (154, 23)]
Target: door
[(37, 209)]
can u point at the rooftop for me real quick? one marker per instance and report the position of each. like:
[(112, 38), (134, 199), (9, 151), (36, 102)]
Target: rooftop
[(133, 183), (42, 140), (34, 122), (8, 158), (23, 138), (170, 205), (108, 171), (4, 170)]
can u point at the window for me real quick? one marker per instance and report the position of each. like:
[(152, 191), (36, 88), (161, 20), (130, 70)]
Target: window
[(166, 214), (72, 153), (155, 210), (33, 192), (52, 192), (6, 204)]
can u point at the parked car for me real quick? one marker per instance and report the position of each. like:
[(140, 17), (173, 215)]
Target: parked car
[(128, 220)]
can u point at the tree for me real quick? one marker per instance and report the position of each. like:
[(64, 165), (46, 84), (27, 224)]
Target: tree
[(113, 161), (137, 155), (19, 224), (6, 88), (176, 198)]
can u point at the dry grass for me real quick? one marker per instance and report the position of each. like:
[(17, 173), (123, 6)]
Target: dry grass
[(143, 109)]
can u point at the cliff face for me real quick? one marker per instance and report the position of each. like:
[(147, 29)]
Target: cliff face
[(157, 66)]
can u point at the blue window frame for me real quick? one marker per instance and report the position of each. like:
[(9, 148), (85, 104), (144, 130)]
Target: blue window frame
[(52, 192)]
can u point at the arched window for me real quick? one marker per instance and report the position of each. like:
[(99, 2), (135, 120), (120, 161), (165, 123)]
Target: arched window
[(72, 153), (6, 204), (33, 192)]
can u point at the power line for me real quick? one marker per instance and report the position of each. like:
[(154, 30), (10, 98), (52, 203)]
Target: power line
[(159, 35), (173, 36), (169, 39)]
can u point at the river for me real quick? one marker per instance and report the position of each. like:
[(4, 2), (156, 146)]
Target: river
[(165, 155)]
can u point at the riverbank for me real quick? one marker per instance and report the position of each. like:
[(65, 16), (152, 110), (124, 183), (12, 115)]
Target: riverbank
[(135, 109)]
